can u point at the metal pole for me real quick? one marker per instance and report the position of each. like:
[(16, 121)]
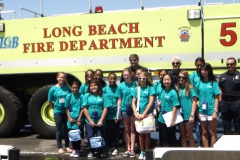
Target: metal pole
[(199, 2), (90, 6), (20, 12), (233, 1), (205, 2), (41, 8), (142, 4)]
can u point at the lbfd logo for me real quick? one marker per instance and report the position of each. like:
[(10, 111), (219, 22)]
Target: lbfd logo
[(9, 42), (184, 34)]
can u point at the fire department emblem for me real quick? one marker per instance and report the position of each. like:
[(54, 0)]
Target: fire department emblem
[(184, 34)]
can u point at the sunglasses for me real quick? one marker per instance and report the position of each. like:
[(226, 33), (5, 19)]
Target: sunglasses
[(199, 65), (133, 60), (230, 64), (142, 78), (175, 63), (181, 77)]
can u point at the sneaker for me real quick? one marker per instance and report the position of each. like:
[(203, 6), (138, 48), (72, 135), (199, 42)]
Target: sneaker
[(76, 154), (141, 156), (126, 154), (132, 154), (110, 151), (103, 155), (72, 154), (85, 144), (90, 155), (115, 152)]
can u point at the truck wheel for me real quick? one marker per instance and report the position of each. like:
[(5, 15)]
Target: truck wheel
[(40, 114), (22, 119), (10, 112)]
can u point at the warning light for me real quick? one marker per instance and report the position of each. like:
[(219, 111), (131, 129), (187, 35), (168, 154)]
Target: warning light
[(98, 9)]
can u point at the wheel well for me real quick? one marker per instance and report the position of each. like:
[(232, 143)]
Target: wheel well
[(26, 82), (32, 79)]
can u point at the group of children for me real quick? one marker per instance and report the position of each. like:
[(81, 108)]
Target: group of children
[(97, 104)]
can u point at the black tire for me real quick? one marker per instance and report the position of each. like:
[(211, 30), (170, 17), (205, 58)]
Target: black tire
[(22, 119), (10, 113), (37, 103)]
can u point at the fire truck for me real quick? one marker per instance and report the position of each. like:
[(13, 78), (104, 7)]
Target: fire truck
[(33, 50)]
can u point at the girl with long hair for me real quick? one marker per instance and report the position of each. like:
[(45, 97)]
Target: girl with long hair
[(125, 90), (95, 113), (57, 94), (147, 94), (169, 102), (188, 99), (208, 103)]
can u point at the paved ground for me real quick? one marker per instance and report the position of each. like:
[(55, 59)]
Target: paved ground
[(32, 147)]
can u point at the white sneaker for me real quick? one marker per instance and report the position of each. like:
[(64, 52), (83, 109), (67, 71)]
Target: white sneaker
[(126, 154), (72, 154), (76, 154), (110, 151), (115, 152), (141, 156), (90, 155)]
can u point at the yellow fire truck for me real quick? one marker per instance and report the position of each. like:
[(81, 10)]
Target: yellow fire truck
[(33, 50)]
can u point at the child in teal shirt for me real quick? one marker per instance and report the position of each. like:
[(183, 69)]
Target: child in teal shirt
[(95, 111), (75, 116), (56, 98), (147, 94), (112, 122), (188, 98), (169, 102)]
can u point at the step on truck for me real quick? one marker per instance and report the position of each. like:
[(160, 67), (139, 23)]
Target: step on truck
[(33, 50)]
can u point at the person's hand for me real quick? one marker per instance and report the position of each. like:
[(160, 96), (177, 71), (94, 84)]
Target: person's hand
[(137, 116), (92, 124), (71, 120), (214, 116), (116, 120), (99, 124), (191, 119), (172, 123), (141, 116), (158, 109), (78, 123)]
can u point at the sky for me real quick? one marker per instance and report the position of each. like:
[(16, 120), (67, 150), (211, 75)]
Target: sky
[(55, 7)]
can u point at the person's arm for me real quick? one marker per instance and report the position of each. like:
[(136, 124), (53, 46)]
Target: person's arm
[(214, 116), (118, 109), (134, 101), (51, 104), (174, 111), (150, 104), (91, 122), (105, 110), (79, 118), (69, 117), (194, 106)]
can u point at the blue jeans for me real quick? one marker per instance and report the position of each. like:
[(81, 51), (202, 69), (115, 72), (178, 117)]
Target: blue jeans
[(93, 132), (61, 121)]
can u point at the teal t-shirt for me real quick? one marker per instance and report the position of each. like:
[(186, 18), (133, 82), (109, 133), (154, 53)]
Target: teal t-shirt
[(195, 79), (158, 88), (124, 92), (95, 104), (83, 89), (57, 95), (145, 94), (207, 92), (169, 99), (186, 101), (74, 102), (111, 97)]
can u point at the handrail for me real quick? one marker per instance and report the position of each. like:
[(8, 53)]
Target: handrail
[(21, 8), (11, 11)]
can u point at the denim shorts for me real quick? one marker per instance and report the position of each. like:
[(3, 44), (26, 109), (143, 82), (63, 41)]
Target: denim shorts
[(125, 115)]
